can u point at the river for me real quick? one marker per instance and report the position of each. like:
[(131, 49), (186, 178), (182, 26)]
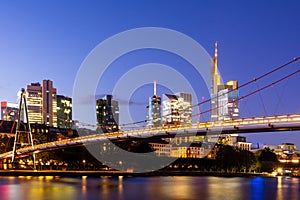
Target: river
[(160, 187)]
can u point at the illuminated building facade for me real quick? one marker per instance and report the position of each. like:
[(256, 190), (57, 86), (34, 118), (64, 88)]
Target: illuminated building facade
[(42, 103), (224, 98), (154, 109), (215, 82), (177, 108), (290, 147), (185, 102), (64, 112), (49, 103), (194, 150), (35, 103), (107, 111), (171, 109), (9, 111), (228, 107)]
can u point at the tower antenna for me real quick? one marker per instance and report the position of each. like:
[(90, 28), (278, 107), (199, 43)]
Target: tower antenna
[(154, 88)]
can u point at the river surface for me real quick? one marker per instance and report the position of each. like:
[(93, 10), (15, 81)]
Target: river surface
[(163, 187)]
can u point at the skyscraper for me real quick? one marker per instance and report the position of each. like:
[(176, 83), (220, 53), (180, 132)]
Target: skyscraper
[(35, 103), (185, 103), (215, 82), (64, 111), (177, 109), (49, 103), (107, 111), (42, 105), (171, 109), (224, 104), (154, 109), (228, 108)]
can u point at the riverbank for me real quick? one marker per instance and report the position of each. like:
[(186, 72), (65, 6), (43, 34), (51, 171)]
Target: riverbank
[(124, 174)]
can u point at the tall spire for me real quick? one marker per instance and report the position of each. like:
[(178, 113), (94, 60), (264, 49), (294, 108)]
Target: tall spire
[(216, 58), (154, 88)]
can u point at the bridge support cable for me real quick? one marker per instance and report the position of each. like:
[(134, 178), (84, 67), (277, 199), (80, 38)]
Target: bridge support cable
[(269, 85), (279, 96), (209, 100), (241, 86), (254, 79), (253, 92), (243, 105), (23, 136), (262, 101)]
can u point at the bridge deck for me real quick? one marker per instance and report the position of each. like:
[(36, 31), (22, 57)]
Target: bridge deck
[(244, 125)]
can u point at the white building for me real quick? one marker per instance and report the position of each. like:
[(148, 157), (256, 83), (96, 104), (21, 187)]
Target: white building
[(185, 102), (9, 111), (177, 109)]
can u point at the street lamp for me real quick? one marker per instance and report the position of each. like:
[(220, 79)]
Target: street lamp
[(83, 161)]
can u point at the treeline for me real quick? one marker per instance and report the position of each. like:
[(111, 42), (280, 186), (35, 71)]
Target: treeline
[(230, 159)]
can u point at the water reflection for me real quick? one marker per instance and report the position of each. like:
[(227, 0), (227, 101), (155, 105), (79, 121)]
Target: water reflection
[(83, 187), (149, 188), (220, 189), (33, 188), (257, 188), (279, 188), (120, 187), (295, 188), (174, 187)]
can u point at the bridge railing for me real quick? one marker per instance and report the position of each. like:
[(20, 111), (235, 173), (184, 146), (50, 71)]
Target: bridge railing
[(241, 121), (148, 131)]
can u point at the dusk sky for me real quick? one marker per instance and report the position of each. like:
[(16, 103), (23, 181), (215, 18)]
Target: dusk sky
[(51, 39)]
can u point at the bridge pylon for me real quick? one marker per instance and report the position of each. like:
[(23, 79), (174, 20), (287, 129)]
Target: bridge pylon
[(23, 135)]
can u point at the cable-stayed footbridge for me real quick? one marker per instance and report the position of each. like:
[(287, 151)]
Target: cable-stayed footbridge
[(273, 123)]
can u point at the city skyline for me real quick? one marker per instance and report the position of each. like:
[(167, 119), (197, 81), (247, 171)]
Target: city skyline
[(253, 39)]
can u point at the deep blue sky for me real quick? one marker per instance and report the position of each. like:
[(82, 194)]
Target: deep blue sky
[(50, 39)]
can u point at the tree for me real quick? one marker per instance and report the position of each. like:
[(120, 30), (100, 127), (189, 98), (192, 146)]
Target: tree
[(227, 158), (247, 160), (267, 160)]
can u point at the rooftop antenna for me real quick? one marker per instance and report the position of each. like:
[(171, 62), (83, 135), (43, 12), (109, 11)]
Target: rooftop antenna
[(154, 88)]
